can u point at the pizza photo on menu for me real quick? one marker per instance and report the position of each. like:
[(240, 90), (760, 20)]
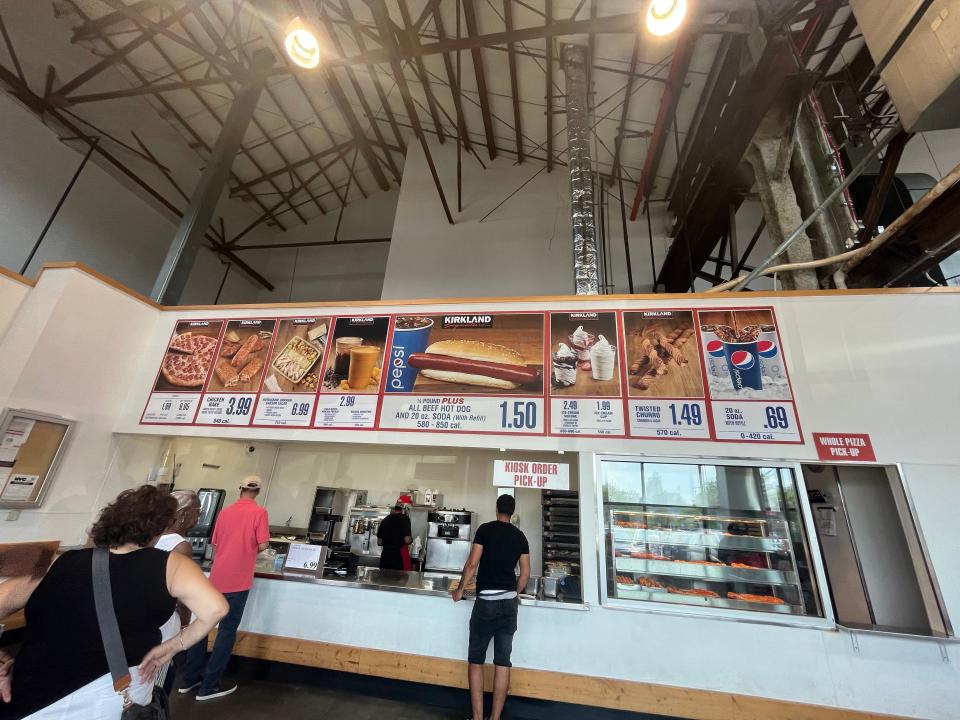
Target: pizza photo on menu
[(189, 356)]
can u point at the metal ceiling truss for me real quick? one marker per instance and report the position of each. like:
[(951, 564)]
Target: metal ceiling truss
[(206, 50)]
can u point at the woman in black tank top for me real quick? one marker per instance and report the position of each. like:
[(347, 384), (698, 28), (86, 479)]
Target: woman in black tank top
[(62, 649)]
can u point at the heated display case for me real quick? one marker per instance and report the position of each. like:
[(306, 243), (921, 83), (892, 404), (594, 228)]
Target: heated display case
[(727, 537)]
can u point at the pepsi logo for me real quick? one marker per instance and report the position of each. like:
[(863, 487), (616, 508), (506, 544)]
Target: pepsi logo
[(767, 349), (742, 360), (715, 348)]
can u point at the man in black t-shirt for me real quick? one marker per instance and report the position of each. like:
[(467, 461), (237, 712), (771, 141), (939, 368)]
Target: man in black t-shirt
[(394, 534), (497, 549)]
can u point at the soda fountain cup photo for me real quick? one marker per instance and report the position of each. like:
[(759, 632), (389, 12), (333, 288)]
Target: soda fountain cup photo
[(769, 355), (411, 335), (744, 365)]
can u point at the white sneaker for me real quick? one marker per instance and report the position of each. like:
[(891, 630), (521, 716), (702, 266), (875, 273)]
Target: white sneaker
[(217, 693), (188, 688)]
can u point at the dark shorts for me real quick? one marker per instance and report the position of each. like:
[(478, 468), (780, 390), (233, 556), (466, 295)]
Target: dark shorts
[(496, 620)]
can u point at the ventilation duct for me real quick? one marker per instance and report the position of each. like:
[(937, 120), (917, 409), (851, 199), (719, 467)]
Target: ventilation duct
[(585, 267)]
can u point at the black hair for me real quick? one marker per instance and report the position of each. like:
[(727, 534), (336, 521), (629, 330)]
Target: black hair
[(506, 504)]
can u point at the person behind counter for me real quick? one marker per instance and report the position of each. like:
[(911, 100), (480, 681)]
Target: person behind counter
[(242, 531), (498, 547), (395, 536)]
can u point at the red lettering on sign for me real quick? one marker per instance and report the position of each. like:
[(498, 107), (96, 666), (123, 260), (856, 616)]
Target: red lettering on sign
[(844, 446)]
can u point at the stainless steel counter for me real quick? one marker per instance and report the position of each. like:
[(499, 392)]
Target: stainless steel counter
[(411, 583)]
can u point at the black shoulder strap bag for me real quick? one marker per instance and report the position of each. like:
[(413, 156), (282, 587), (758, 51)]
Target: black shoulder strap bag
[(159, 708)]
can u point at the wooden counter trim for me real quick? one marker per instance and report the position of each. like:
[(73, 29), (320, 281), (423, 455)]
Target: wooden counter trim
[(572, 300), (539, 684), (17, 277)]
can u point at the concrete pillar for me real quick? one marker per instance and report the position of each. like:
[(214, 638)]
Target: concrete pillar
[(770, 157), (814, 179)]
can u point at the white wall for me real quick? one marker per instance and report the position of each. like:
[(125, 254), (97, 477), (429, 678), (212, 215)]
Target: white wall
[(524, 246), (66, 353), (101, 224), (859, 363), (12, 293), (349, 272)]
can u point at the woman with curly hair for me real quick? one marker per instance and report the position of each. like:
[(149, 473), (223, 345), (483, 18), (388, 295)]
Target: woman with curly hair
[(61, 671)]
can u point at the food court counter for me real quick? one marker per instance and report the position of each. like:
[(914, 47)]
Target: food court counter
[(398, 581)]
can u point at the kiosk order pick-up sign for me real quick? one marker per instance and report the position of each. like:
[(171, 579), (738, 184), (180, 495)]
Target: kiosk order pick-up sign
[(529, 474)]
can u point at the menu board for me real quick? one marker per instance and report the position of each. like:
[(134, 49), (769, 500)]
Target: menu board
[(652, 374), (466, 373), (351, 380)]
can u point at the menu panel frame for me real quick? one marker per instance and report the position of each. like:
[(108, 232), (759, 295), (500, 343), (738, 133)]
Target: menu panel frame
[(544, 396)]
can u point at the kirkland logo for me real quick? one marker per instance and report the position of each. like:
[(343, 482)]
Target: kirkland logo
[(583, 316), (362, 321), (657, 313), (468, 321)]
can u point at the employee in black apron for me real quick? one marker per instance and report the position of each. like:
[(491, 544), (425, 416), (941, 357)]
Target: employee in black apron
[(394, 535)]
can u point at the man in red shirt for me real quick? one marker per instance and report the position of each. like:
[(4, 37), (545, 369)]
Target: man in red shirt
[(242, 531)]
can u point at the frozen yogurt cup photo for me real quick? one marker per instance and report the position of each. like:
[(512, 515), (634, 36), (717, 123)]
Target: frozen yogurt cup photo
[(584, 351)]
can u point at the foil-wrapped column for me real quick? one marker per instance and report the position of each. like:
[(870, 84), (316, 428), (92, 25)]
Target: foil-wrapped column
[(585, 264)]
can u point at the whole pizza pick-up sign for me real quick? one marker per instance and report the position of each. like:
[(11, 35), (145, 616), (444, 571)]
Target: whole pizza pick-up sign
[(529, 474), (855, 447)]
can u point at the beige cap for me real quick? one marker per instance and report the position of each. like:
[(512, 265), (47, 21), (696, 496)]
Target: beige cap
[(251, 482)]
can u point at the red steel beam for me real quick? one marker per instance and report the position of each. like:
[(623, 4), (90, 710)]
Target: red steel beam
[(682, 55)]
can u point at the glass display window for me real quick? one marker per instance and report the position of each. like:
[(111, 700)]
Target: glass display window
[(727, 536)]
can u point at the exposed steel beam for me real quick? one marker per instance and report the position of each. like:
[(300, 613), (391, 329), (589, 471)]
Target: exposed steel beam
[(548, 96), (452, 80), (95, 27), (60, 99), (160, 28), (117, 54), (410, 39), (338, 150), (382, 18), (166, 105), (882, 184), (514, 83), (357, 29), (470, 19), (340, 97), (625, 110), (40, 106), (682, 55)]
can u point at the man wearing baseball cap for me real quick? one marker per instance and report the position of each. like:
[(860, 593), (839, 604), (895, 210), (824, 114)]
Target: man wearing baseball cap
[(242, 531)]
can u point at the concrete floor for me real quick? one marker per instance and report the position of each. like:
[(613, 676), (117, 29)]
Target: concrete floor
[(261, 700)]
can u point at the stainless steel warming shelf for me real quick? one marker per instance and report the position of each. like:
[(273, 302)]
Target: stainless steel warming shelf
[(697, 571)]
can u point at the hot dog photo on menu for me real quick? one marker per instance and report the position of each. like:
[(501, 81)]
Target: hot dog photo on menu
[(356, 355), (242, 356), (189, 356), (662, 356), (467, 354), (583, 355)]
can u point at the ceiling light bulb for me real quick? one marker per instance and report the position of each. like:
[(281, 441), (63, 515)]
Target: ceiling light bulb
[(665, 16), (302, 45)]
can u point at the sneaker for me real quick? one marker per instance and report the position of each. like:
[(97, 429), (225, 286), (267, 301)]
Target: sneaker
[(222, 692), (184, 689)]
